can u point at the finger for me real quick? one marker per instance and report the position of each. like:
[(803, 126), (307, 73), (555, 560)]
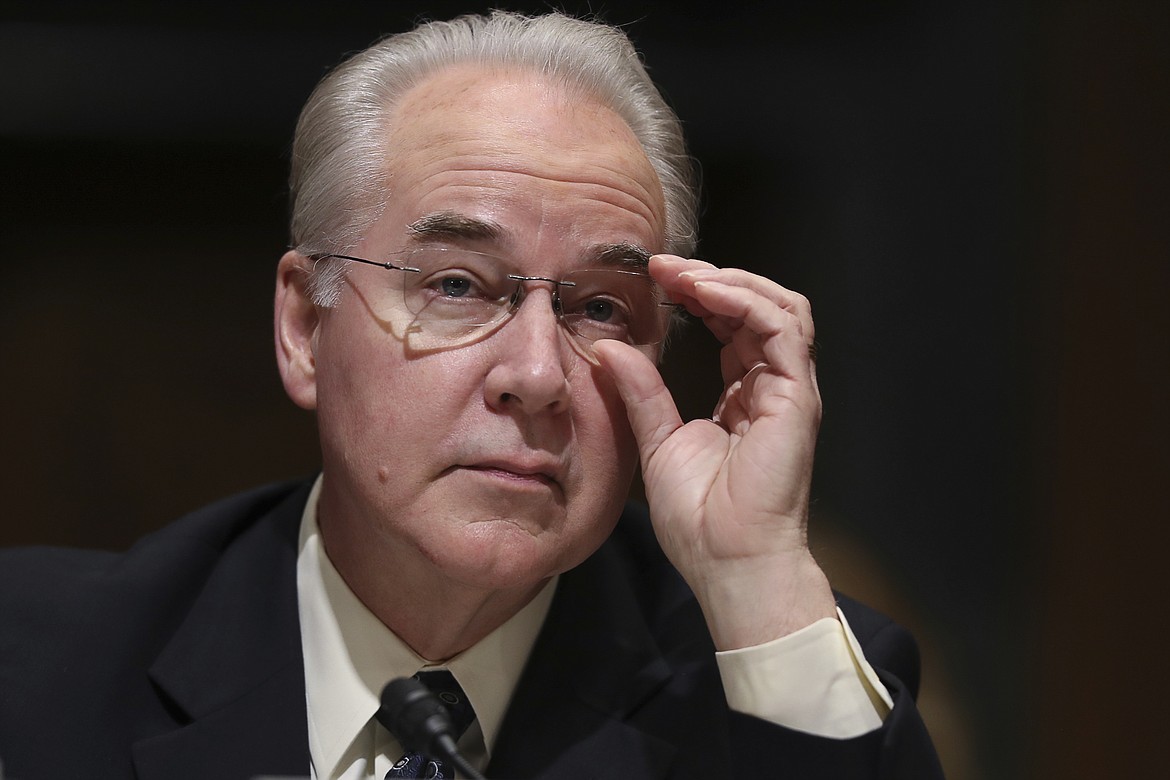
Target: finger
[(789, 300), (649, 406), (665, 269), (679, 276), (769, 333), (731, 367), (722, 328)]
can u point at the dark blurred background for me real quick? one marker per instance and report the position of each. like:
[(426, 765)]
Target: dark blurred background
[(973, 194)]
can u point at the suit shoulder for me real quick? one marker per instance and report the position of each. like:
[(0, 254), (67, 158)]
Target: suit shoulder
[(39, 584), (216, 524)]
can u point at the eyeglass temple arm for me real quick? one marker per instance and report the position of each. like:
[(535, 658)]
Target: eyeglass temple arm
[(387, 265)]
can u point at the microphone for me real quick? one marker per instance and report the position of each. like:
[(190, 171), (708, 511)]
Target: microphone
[(413, 714)]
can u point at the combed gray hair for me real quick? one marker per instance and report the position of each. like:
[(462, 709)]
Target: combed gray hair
[(339, 181)]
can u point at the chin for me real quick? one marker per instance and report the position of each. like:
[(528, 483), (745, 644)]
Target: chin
[(504, 555)]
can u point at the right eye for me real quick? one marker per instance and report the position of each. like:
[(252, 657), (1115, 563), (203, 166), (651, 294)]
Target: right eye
[(455, 294), (453, 284)]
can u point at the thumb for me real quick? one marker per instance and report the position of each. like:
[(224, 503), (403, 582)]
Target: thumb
[(649, 405)]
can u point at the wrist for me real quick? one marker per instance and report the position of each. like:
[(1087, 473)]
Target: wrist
[(748, 602)]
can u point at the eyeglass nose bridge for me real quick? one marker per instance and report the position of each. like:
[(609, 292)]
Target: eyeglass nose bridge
[(519, 294)]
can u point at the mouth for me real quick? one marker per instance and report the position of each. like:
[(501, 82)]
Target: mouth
[(517, 473)]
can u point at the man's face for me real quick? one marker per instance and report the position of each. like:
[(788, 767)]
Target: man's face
[(505, 460)]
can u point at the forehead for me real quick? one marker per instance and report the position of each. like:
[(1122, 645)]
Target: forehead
[(484, 142)]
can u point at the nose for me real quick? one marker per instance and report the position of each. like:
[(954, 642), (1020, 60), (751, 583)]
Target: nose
[(530, 372)]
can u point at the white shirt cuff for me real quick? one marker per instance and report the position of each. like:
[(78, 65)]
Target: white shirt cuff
[(815, 680)]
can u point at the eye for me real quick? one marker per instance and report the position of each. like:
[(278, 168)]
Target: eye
[(599, 310), (599, 316), (454, 286)]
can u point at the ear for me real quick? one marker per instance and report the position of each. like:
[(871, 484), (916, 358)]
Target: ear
[(297, 321)]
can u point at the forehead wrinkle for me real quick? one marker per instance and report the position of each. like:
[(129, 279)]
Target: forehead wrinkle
[(472, 157), (455, 224), (618, 165), (504, 177), (587, 170), (465, 129)]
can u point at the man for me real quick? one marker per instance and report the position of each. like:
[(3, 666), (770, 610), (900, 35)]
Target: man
[(490, 221)]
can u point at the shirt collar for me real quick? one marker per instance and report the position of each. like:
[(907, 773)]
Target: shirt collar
[(350, 654)]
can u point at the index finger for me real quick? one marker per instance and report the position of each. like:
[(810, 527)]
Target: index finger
[(678, 277)]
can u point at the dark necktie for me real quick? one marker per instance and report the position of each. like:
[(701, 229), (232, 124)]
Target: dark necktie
[(414, 764)]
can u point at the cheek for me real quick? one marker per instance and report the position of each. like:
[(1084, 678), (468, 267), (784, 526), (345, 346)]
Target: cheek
[(609, 442), (380, 409), (365, 395)]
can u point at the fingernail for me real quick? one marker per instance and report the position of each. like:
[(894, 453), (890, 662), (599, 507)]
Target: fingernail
[(699, 273)]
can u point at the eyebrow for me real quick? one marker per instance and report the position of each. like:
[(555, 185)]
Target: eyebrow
[(622, 254), (450, 225), (454, 226)]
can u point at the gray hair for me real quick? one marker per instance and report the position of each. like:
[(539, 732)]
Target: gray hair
[(338, 181)]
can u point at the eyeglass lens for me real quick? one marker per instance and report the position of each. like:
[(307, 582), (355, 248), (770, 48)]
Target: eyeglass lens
[(453, 294)]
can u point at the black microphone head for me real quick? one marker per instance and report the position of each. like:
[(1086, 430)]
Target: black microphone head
[(413, 714)]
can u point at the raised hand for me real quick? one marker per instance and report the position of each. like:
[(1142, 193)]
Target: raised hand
[(729, 495)]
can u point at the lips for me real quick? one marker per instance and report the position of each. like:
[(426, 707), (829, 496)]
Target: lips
[(544, 472)]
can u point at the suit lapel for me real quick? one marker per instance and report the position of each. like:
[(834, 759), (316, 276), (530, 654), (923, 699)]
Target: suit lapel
[(233, 672), (594, 663)]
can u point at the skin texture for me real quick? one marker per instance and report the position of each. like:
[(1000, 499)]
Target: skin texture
[(458, 481)]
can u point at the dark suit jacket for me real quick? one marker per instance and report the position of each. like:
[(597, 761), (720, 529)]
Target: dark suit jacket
[(181, 658)]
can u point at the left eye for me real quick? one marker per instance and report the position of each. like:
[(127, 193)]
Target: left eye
[(454, 286), (599, 310)]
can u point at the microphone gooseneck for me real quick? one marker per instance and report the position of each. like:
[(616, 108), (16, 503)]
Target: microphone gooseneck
[(416, 717)]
